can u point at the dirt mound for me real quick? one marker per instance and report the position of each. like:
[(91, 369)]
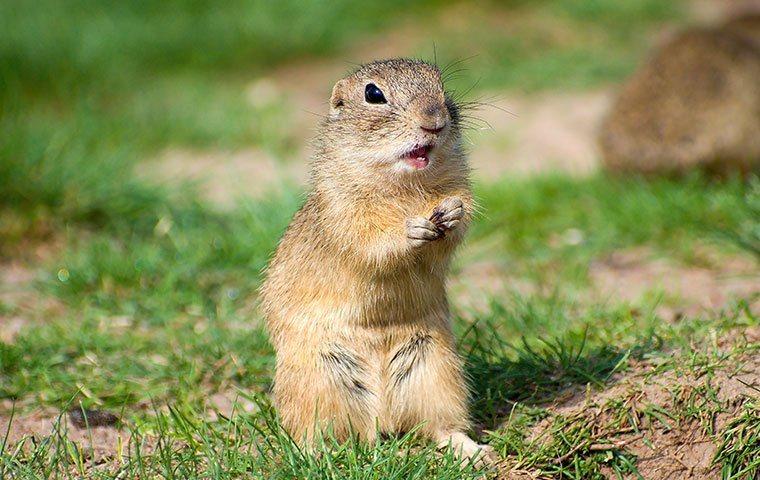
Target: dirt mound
[(686, 415)]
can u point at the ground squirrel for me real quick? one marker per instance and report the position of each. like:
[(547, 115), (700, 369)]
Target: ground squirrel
[(355, 296), (694, 104)]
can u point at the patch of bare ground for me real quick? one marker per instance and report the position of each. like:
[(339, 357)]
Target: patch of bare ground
[(14, 281), (669, 413), (635, 276), (228, 403), (533, 134), (98, 444), (20, 302), (632, 275), (226, 176)]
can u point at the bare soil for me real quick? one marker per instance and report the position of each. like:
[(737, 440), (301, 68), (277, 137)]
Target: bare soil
[(21, 303), (677, 448), (14, 279), (631, 275), (223, 177), (634, 275), (99, 443)]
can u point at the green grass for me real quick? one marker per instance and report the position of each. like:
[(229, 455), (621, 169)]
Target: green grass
[(247, 446), (738, 452)]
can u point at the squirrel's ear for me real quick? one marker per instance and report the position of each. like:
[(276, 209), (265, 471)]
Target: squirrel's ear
[(338, 96)]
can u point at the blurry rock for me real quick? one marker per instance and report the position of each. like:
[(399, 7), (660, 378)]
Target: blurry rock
[(92, 418), (694, 104)]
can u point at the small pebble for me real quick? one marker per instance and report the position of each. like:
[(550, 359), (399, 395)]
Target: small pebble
[(94, 418)]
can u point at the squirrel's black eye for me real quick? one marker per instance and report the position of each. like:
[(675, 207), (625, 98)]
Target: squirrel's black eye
[(372, 94)]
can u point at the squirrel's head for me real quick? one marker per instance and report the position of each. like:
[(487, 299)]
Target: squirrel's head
[(392, 116)]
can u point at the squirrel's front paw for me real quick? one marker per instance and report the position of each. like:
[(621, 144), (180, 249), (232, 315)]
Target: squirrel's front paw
[(420, 230), (448, 214)]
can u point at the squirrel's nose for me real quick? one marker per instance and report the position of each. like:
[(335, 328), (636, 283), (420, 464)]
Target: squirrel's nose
[(432, 130), (433, 116)]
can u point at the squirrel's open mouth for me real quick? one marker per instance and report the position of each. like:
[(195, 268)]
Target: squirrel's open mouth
[(419, 157)]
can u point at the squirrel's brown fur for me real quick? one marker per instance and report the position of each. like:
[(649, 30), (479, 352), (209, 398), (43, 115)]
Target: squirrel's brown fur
[(355, 296), (695, 104)]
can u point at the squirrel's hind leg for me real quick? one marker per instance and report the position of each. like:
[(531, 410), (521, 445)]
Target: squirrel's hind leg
[(426, 386), (331, 392)]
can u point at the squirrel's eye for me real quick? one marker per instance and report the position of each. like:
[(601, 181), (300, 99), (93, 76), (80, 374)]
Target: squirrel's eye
[(372, 94)]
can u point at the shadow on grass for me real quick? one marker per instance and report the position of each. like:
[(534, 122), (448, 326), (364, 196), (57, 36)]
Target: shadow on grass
[(502, 373)]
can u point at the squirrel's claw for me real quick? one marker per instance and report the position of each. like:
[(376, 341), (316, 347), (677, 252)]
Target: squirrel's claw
[(447, 215), (420, 230)]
